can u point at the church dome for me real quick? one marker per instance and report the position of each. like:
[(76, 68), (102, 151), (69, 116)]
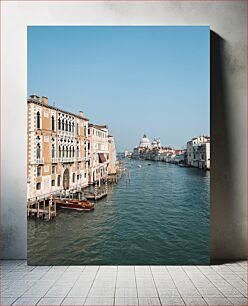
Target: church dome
[(145, 142)]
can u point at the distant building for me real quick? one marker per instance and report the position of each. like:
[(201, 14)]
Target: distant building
[(98, 152), (156, 143), (112, 155), (145, 142), (198, 152)]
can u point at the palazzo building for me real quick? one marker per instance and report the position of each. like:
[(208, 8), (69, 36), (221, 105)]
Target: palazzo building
[(198, 152), (64, 151), (98, 153)]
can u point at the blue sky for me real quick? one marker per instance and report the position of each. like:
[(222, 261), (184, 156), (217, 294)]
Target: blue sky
[(134, 79)]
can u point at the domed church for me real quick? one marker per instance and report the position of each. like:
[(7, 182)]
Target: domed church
[(145, 142)]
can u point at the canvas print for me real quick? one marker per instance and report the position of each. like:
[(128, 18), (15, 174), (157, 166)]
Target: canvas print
[(118, 145)]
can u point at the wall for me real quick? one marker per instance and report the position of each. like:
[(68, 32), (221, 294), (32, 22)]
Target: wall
[(228, 103)]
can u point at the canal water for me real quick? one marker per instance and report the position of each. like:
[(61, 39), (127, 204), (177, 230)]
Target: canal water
[(160, 217)]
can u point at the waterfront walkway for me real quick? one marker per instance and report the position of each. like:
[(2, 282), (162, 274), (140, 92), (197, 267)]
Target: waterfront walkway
[(123, 285)]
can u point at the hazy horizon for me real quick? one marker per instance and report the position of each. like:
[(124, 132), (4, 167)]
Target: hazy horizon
[(135, 79)]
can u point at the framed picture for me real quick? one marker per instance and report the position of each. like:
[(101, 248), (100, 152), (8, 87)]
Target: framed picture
[(118, 129)]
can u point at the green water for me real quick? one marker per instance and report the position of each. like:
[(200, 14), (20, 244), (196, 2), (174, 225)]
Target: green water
[(160, 217)]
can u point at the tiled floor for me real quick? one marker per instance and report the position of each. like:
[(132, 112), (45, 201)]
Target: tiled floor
[(123, 285)]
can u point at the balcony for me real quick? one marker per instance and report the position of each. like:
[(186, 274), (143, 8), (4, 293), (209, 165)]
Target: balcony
[(56, 160), (40, 160)]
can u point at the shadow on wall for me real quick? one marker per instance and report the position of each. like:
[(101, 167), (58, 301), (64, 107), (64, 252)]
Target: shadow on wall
[(228, 231)]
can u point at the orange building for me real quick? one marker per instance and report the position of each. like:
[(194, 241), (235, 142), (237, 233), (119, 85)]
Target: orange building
[(57, 149)]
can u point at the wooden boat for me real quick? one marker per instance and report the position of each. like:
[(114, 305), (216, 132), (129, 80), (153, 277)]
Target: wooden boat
[(75, 204)]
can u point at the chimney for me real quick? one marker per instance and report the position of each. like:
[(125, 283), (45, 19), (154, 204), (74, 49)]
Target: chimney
[(44, 100), (35, 97), (81, 114)]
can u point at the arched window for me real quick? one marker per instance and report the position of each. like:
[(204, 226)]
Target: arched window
[(66, 151), (38, 120), (77, 151), (72, 127), (38, 151), (73, 152), (63, 125), (69, 126), (63, 152), (66, 125), (60, 151), (77, 129), (70, 152), (53, 124), (59, 124), (53, 151)]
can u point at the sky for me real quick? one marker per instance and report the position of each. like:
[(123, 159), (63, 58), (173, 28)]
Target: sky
[(135, 79)]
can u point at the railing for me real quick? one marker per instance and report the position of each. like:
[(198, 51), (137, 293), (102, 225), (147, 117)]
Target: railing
[(40, 160)]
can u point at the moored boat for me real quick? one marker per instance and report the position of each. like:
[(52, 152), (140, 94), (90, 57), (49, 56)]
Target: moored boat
[(75, 204)]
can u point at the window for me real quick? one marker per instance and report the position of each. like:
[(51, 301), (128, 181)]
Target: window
[(66, 125), (85, 131), (38, 120), (53, 124), (59, 124), (202, 156), (72, 127), (38, 186), (69, 126), (53, 169), (63, 125), (78, 177), (59, 180), (194, 156), (73, 152), (53, 183), (85, 175), (38, 151), (38, 171), (77, 129), (53, 151), (73, 177), (59, 151), (88, 131)]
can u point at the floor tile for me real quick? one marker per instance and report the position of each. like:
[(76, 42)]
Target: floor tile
[(50, 301), (194, 301), (166, 301), (122, 301), (239, 301), (149, 301), (7, 300), (102, 292), (217, 301), (126, 292), (73, 301), (165, 292), (27, 301), (147, 292), (79, 291), (99, 301), (75, 269)]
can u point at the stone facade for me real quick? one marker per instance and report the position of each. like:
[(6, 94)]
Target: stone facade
[(198, 152), (99, 154), (64, 151)]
